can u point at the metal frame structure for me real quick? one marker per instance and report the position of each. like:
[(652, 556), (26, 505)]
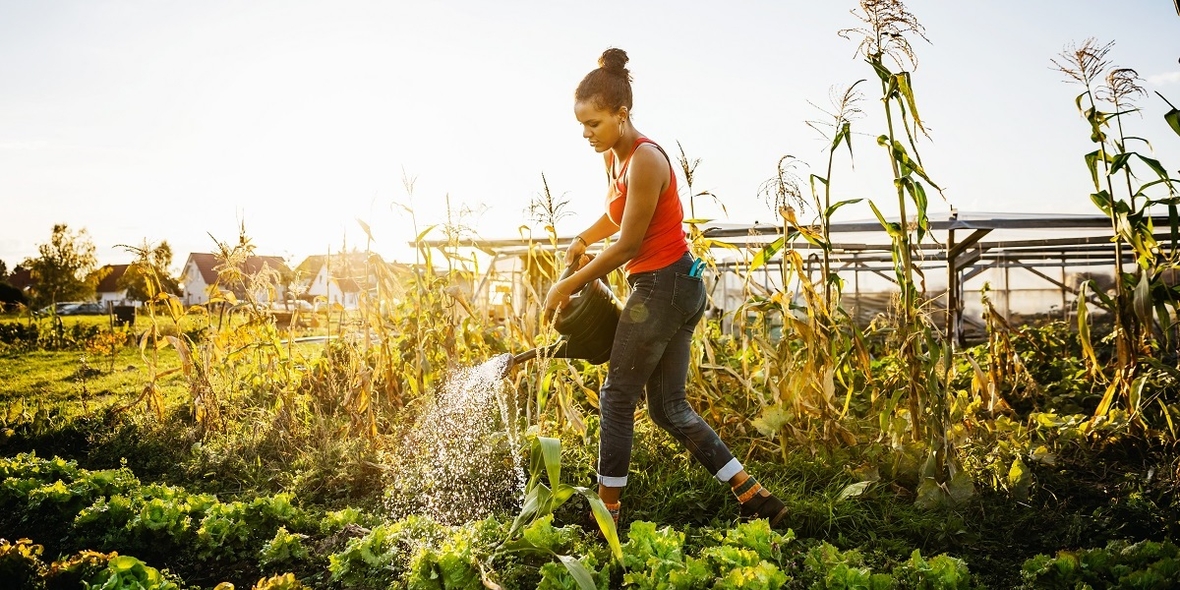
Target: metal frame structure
[(963, 246)]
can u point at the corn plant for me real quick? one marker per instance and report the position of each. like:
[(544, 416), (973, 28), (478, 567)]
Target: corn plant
[(545, 492), (818, 339), (920, 349), (155, 286), (1142, 298)]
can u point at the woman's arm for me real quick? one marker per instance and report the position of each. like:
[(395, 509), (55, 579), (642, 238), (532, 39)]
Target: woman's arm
[(647, 176), (601, 229)]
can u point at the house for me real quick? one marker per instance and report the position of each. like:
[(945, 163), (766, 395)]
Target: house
[(337, 278), (22, 279), (267, 278), (108, 288)]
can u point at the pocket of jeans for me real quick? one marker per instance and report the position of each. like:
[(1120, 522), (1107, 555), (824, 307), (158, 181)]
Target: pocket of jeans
[(688, 294)]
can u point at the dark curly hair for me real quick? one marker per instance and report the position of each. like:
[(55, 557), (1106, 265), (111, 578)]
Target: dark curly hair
[(609, 85)]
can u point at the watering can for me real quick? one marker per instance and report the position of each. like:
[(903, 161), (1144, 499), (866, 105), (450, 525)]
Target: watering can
[(586, 324)]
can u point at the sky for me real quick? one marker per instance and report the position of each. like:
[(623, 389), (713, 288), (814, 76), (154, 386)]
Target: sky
[(184, 121)]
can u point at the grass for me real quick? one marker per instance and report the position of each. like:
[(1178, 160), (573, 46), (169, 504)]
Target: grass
[(1089, 497), (76, 380)]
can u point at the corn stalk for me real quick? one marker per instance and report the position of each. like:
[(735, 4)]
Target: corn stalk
[(1142, 299)]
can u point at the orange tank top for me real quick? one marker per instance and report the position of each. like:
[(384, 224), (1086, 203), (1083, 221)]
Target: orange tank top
[(664, 242)]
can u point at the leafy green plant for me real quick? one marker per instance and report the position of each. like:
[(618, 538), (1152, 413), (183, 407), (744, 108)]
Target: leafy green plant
[(942, 572), (829, 567), (280, 582), (126, 572), (382, 556), (1148, 564), (72, 571), (284, 548), (20, 563)]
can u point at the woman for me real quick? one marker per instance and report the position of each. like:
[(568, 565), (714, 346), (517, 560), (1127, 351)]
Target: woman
[(651, 346)]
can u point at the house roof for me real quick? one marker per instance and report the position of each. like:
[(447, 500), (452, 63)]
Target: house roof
[(348, 285), (110, 281), (21, 278), (207, 264), (356, 262)]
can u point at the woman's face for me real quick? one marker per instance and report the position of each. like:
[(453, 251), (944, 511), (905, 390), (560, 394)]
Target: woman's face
[(601, 127)]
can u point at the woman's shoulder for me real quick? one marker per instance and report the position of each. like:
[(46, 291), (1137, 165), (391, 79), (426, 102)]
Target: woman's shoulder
[(649, 154)]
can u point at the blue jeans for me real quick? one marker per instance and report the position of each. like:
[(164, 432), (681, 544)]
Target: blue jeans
[(651, 351)]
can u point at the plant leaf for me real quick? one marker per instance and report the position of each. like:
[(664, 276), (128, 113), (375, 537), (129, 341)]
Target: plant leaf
[(893, 228), (550, 450), (767, 253), (606, 523), (1084, 329), (578, 571), (832, 209), (853, 490)]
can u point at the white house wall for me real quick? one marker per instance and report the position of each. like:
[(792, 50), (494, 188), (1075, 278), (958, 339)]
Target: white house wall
[(195, 288)]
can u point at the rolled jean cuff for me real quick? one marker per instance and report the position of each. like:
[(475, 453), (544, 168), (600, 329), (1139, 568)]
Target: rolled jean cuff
[(614, 482), (729, 470)]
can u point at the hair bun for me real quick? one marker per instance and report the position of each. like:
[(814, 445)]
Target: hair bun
[(614, 60)]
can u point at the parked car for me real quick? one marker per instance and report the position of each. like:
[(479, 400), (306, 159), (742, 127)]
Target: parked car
[(62, 308), (85, 308), (295, 304)]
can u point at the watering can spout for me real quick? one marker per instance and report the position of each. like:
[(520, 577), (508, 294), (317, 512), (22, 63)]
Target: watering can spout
[(527, 355)]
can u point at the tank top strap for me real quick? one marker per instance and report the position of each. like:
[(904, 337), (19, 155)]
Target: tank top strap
[(627, 163)]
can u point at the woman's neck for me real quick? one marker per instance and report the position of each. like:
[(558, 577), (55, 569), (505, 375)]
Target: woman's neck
[(626, 142)]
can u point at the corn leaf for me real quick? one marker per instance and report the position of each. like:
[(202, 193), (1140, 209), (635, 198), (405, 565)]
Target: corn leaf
[(1120, 161), (1154, 164), (832, 209), (1107, 400), (1163, 316), (907, 163), (1092, 160), (1102, 200), (1172, 117), (907, 92), (578, 572), (767, 253), (549, 449), (1084, 329), (1167, 416), (606, 523), (1142, 299), (368, 231), (893, 229)]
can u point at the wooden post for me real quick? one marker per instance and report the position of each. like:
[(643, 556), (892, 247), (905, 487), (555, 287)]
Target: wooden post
[(952, 290)]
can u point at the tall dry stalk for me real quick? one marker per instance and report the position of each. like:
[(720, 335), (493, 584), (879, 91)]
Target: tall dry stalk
[(1142, 295), (884, 43), (547, 379), (836, 129), (155, 287)]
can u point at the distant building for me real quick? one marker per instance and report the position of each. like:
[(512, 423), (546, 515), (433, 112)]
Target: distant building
[(108, 289), (22, 278), (203, 276), (337, 278)]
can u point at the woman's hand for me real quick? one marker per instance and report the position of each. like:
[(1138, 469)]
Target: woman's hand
[(557, 298), (575, 251)]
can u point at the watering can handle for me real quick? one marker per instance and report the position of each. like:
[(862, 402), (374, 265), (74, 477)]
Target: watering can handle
[(569, 270)]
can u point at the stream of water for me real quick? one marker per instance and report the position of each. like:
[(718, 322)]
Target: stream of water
[(463, 459)]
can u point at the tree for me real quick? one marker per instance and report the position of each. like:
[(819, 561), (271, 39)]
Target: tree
[(149, 274), (64, 270), (3, 272), (11, 297)]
